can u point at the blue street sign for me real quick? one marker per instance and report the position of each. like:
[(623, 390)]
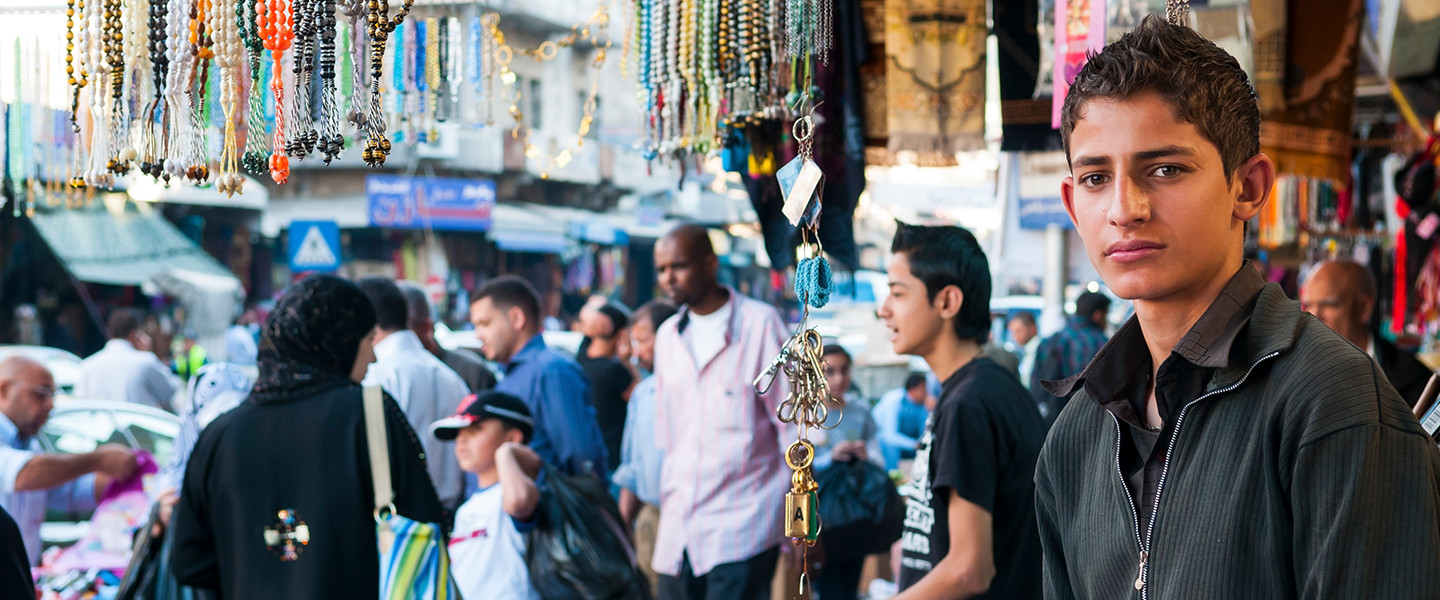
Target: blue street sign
[(401, 202), (314, 246)]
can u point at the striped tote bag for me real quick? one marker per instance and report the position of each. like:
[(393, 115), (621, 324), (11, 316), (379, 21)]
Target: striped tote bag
[(413, 561)]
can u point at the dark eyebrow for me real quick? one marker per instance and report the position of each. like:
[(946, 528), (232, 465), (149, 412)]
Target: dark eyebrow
[(1164, 152), (1144, 155)]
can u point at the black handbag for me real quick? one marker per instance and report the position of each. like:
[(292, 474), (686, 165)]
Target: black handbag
[(861, 513), (148, 577), (578, 549)]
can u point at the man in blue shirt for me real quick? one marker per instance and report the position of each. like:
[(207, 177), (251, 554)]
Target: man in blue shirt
[(1068, 351), (506, 315), (900, 416), (31, 482), (640, 460)]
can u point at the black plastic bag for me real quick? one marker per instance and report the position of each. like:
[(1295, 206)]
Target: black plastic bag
[(861, 513), (578, 549)]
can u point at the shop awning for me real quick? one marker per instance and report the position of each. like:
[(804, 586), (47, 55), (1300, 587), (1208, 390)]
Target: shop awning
[(527, 228), (128, 248), (528, 241)]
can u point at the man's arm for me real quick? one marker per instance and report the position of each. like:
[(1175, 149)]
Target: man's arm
[(629, 506), (162, 384), (966, 571), (45, 471), (518, 466), (571, 425), (1056, 572), (1366, 510)]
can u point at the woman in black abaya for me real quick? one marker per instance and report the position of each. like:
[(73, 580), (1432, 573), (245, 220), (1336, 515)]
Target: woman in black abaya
[(277, 499)]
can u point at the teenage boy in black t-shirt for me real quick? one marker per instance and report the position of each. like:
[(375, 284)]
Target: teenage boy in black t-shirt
[(970, 505)]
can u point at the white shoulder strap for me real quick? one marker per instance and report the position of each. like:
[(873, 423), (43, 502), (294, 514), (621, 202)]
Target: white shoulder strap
[(379, 449)]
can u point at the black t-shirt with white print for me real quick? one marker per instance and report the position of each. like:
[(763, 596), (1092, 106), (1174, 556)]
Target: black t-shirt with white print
[(982, 441)]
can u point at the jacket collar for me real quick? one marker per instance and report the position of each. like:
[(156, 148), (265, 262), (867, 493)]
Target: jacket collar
[(1249, 320), (533, 348)]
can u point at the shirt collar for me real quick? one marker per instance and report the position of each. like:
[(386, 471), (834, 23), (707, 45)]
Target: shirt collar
[(729, 301), (121, 344), (530, 350), (10, 434), (396, 344), (1207, 344)]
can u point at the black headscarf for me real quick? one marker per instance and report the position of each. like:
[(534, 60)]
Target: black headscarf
[(311, 339)]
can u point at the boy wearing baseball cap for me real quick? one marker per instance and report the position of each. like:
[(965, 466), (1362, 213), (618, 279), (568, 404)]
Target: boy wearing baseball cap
[(487, 547)]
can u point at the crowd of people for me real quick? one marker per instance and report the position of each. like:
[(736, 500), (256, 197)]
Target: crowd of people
[(1287, 459)]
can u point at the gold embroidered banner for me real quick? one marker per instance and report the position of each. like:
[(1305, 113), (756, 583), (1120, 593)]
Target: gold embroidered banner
[(935, 80)]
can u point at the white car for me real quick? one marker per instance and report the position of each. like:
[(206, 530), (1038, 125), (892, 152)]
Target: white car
[(80, 426)]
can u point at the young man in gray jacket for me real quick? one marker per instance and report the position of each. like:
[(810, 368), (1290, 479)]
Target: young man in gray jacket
[(1222, 444)]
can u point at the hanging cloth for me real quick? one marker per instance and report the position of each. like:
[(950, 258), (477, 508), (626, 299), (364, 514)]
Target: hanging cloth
[(1025, 119), (1310, 135), (935, 89)]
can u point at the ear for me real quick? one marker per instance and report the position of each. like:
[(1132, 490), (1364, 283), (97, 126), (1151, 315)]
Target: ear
[(712, 265), (516, 318), (515, 435), (1067, 196), (1366, 306), (949, 301), (1256, 179)]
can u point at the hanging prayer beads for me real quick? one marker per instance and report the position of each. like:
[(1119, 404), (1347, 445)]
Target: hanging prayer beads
[(303, 136), (254, 160), (77, 76), (277, 24), (432, 80), (380, 26), (330, 140)]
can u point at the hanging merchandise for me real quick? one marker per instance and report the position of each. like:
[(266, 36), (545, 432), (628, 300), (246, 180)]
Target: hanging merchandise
[(703, 66), (936, 82), (1310, 133), (1079, 31), (807, 406), (377, 147)]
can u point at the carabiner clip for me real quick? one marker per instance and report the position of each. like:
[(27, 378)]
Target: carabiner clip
[(771, 372)]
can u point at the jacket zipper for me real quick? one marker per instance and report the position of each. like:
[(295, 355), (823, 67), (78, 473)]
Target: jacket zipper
[(1141, 578)]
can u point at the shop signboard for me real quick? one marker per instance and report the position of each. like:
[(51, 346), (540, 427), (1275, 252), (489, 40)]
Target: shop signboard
[(404, 202)]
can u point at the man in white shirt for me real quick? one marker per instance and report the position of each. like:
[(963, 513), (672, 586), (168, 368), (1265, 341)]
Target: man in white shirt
[(423, 386), (31, 482), (126, 370), (1025, 341)]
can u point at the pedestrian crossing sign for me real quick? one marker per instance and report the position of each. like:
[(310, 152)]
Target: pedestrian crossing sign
[(314, 246)]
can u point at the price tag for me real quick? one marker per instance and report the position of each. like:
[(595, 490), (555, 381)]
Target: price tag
[(801, 183)]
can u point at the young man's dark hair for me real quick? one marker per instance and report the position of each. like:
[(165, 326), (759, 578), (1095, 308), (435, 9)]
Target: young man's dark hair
[(944, 256), (391, 312), (1207, 89), (835, 350), (511, 291), (1222, 444), (122, 323), (915, 379)]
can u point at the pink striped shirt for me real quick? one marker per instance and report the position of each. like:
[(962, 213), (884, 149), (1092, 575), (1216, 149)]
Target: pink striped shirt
[(723, 484)]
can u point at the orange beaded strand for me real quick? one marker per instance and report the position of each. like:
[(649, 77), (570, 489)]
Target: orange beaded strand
[(277, 28)]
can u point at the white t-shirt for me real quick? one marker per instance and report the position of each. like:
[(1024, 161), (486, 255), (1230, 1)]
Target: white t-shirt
[(487, 551), (705, 334)]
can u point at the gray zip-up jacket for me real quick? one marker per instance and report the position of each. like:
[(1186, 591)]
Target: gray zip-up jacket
[(1299, 473)]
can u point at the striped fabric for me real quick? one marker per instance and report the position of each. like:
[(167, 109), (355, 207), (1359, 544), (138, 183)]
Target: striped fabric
[(413, 564), (723, 484)]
